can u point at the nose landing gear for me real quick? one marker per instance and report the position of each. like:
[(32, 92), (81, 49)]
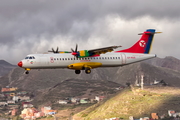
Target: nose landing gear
[(27, 70)]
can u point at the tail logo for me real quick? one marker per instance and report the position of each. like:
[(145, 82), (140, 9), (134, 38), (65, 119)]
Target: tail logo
[(142, 43)]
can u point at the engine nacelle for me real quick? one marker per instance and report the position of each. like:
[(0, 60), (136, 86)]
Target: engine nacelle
[(82, 53)]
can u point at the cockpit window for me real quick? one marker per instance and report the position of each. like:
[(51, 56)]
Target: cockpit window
[(30, 57)]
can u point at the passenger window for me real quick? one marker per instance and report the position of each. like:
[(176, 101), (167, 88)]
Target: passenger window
[(26, 57), (54, 58)]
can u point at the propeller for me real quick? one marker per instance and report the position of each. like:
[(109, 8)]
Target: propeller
[(54, 51), (74, 52)]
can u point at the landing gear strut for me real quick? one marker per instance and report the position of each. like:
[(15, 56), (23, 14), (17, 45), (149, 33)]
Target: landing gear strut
[(27, 70)]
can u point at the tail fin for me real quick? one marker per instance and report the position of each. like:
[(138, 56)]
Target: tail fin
[(144, 44)]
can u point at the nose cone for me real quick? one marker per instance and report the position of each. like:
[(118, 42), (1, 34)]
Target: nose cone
[(20, 64)]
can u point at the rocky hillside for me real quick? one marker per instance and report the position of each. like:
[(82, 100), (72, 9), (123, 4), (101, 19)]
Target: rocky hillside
[(5, 67), (167, 62), (76, 88)]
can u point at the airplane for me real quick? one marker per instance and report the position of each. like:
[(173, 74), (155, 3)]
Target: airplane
[(90, 59)]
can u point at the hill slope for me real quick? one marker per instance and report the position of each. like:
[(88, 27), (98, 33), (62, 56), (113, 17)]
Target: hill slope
[(137, 103), (5, 67)]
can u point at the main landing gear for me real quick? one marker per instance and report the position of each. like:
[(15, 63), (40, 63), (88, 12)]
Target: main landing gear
[(77, 71), (87, 71)]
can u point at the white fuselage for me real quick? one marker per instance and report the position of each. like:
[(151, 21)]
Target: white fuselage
[(50, 61)]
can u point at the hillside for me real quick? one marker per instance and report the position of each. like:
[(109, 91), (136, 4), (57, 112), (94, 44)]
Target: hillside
[(135, 102), (76, 88), (5, 67), (167, 62), (150, 72)]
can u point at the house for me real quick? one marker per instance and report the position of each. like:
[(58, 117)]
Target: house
[(99, 98), (62, 102), (52, 112), (27, 105), (14, 112), (15, 98), (24, 98), (3, 103), (84, 100), (74, 100), (7, 89), (11, 102), (28, 113), (39, 114), (22, 93), (48, 111)]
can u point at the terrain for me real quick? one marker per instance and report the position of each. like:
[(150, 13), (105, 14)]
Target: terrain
[(135, 102), (5, 67)]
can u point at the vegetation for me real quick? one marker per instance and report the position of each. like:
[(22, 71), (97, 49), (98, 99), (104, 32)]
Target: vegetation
[(133, 102)]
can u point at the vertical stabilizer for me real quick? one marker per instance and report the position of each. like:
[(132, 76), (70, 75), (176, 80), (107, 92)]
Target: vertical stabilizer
[(143, 45)]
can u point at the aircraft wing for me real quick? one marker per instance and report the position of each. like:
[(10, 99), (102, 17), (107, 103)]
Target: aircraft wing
[(103, 50)]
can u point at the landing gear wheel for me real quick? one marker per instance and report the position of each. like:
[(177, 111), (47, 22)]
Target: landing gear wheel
[(87, 70), (77, 71), (26, 72)]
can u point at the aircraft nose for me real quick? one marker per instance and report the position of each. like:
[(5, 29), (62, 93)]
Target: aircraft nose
[(20, 64)]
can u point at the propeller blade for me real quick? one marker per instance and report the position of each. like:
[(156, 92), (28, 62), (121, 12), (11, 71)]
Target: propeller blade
[(53, 50), (57, 50), (76, 48), (72, 50)]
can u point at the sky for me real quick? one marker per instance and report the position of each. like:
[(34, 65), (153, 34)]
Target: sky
[(35, 26)]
